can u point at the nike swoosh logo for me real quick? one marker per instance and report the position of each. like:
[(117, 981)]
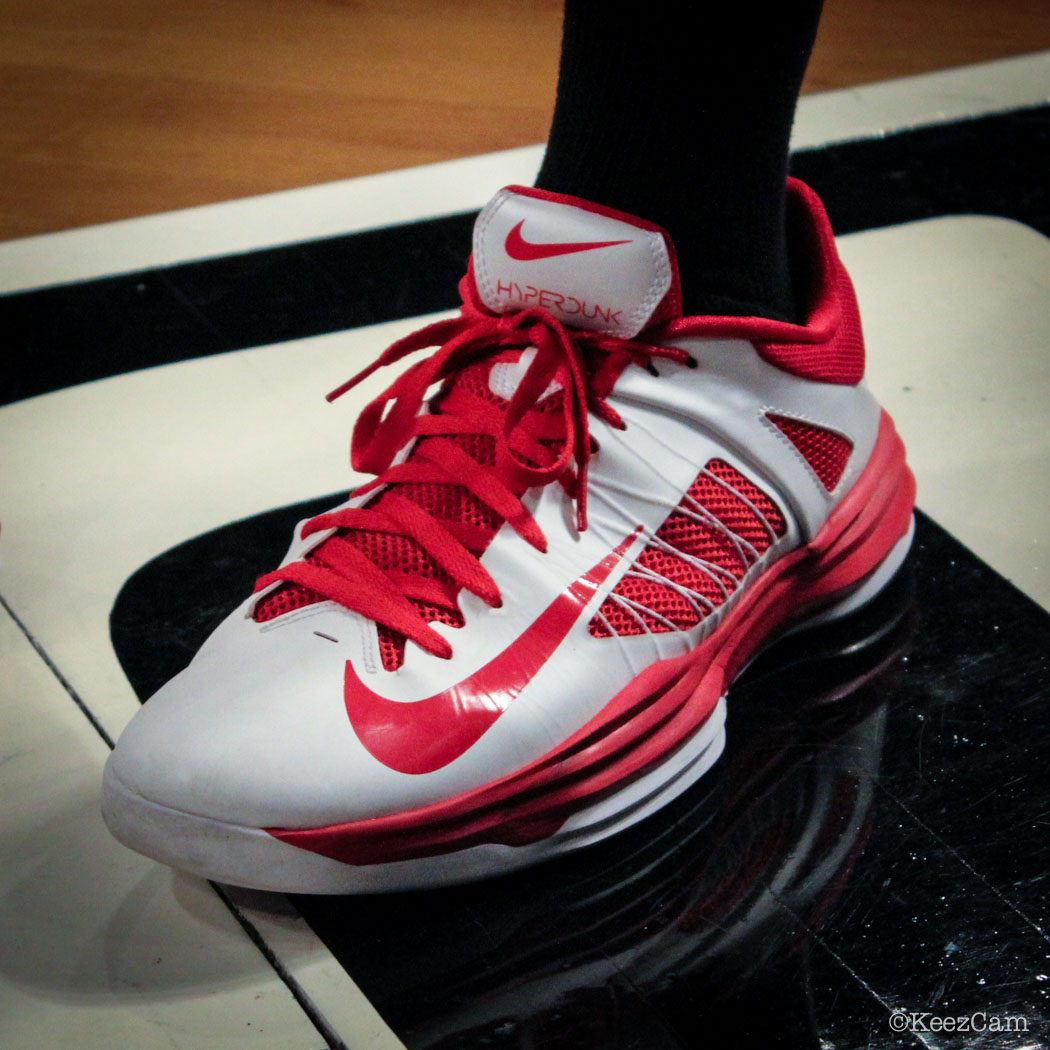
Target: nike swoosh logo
[(421, 736), (525, 251)]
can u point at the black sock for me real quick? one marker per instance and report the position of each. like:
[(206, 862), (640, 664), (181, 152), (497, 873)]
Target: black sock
[(682, 115)]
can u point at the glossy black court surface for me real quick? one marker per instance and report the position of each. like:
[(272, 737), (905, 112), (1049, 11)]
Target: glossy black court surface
[(873, 839)]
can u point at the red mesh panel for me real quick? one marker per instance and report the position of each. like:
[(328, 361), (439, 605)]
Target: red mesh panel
[(698, 541), (687, 575), (718, 490), (475, 379), (824, 450), (450, 503), (391, 648), (623, 621), (665, 602), (732, 511), (389, 551)]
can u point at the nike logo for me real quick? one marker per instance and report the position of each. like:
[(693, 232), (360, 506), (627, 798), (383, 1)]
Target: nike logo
[(421, 736), (525, 251)]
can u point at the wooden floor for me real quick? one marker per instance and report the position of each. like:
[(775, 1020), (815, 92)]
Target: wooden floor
[(118, 108)]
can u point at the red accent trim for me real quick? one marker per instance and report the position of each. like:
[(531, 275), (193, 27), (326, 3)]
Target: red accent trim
[(659, 711), (421, 736), (526, 251)]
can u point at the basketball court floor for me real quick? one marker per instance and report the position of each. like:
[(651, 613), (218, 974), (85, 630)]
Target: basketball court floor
[(872, 846)]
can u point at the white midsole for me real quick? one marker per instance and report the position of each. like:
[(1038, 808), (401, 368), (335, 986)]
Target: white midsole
[(863, 594), (252, 857)]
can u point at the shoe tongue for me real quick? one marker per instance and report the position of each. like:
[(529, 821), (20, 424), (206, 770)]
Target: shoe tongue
[(588, 266)]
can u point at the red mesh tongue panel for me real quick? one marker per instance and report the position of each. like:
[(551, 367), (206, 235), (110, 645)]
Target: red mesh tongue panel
[(450, 503)]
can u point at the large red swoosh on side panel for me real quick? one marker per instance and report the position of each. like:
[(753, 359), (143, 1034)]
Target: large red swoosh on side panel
[(421, 736), (526, 251)]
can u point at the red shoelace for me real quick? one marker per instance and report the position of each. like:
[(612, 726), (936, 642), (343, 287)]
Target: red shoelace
[(532, 448)]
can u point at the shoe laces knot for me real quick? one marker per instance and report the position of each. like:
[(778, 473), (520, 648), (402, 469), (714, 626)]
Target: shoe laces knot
[(584, 364)]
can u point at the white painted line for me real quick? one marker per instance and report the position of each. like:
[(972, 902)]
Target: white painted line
[(957, 321), (461, 185), (932, 98), (148, 423), (102, 948), (270, 219)]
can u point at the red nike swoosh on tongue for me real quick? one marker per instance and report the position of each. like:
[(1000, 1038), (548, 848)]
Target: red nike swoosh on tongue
[(525, 251), (421, 736)]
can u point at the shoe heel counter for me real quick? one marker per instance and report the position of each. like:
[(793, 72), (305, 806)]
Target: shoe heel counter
[(876, 514), (829, 346)]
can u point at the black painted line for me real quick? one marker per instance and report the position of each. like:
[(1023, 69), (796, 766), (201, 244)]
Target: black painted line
[(67, 334), (954, 852), (332, 1038), (63, 681), (317, 1019)]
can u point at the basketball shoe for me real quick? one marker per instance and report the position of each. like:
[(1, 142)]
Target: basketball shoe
[(588, 513)]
